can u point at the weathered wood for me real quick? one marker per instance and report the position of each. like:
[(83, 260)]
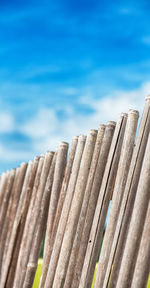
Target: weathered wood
[(3, 186), (142, 266), (3, 192), (40, 228), (65, 212), (75, 248), (103, 202), (58, 178), (28, 184), (9, 183), (99, 172), (56, 188), (16, 216), (136, 224), (17, 221), (5, 235), (129, 197), (68, 198), (31, 220), (121, 178), (74, 211), (98, 177), (48, 250)]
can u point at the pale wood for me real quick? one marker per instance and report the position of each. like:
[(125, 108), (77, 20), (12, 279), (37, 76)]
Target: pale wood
[(99, 172), (16, 216), (40, 228), (76, 243), (3, 186), (121, 178), (4, 190), (28, 184), (11, 212), (65, 212), (103, 202), (31, 220), (129, 197), (136, 224), (142, 266), (56, 188), (98, 177), (3, 210), (68, 171), (74, 211)]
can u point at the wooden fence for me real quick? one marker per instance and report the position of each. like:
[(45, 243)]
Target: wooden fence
[(64, 198)]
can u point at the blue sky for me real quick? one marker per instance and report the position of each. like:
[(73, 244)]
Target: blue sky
[(67, 66)]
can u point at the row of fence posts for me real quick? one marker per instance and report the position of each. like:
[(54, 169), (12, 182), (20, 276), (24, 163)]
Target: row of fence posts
[(64, 198)]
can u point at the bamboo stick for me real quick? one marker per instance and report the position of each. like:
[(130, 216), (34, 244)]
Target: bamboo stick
[(10, 178), (121, 178), (0, 180), (98, 175), (3, 210), (65, 211), (108, 135), (58, 178), (3, 185), (103, 202), (68, 170), (129, 197), (40, 228), (6, 231), (71, 193), (16, 215), (74, 211), (3, 188), (28, 184), (31, 220), (136, 224), (142, 267), (75, 248)]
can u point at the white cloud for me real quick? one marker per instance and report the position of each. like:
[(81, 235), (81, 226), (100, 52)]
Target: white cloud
[(110, 106), (6, 122), (8, 155), (47, 130), (41, 125)]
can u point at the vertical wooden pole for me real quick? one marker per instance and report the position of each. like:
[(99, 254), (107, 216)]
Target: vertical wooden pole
[(103, 202), (57, 183), (3, 191), (99, 172), (136, 224), (129, 197), (5, 235), (75, 248), (31, 220), (64, 215), (48, 250), (40, 228), (3, 186), (123, 168), (142, 266), (28, 185), (16, 215), (10, 179), (74, 211)]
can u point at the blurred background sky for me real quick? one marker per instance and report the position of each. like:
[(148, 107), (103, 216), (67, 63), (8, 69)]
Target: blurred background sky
[(65, 67)]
